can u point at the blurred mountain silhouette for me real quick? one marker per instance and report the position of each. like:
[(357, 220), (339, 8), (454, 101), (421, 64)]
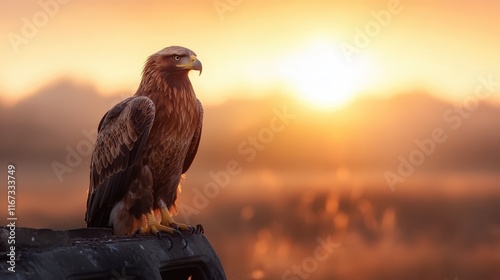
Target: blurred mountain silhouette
[(369, 133)]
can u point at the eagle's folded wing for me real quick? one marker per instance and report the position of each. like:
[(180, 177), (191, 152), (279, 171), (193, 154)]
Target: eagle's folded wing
[(122, 134)]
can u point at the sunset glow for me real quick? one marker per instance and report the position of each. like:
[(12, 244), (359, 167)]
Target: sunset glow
[(322, 77), (301, 47)]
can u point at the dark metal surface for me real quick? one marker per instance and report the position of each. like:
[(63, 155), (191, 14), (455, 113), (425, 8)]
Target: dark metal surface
[(96, 254)]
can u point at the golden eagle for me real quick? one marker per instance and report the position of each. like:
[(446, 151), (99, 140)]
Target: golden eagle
[(144, 145)]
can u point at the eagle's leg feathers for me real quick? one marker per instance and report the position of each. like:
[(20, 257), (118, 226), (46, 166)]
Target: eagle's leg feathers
[(154, 227)]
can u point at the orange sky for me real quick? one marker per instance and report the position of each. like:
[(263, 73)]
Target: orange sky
[(442, 47)]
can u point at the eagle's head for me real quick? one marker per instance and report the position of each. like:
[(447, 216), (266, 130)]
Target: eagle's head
[(167, 66), (175, 59)]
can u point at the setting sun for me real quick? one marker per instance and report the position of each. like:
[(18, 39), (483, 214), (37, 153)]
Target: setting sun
[(323, 77)]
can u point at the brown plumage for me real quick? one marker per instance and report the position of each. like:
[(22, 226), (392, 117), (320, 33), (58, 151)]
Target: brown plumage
[(144, 145)]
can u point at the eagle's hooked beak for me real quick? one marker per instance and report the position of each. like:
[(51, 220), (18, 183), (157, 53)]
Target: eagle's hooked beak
[(194, 64)]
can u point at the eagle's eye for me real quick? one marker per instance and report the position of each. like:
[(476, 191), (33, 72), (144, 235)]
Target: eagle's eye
[(177, 58)]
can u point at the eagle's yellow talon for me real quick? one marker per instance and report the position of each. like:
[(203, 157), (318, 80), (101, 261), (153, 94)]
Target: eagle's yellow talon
[(154, 227), (167, 220)]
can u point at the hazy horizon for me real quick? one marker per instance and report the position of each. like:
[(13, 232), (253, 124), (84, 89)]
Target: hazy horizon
[(360, 144)]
